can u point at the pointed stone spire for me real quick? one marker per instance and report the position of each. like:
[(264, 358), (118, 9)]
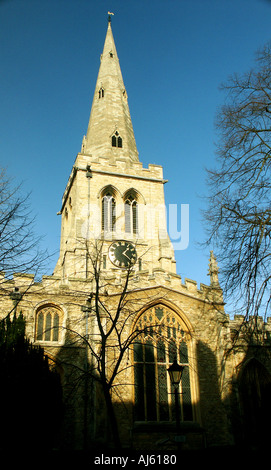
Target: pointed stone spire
[(213, 270), (110, 131)]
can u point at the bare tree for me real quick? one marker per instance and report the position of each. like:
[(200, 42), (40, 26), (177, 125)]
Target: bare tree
[(19, 248), (110, 310), (239, 210)]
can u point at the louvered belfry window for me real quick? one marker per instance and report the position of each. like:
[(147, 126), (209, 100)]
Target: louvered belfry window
[(131, 215), (162, 339), (108, 213)]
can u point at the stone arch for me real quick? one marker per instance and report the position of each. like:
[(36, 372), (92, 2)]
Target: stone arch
[(49, 324), (109, 188), (163, 335), (161, 301), (134, 193)]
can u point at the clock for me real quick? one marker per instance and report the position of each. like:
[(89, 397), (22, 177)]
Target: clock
[(122, 254)]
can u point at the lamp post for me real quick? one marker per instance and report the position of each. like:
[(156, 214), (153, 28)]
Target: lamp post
[(175, 373)]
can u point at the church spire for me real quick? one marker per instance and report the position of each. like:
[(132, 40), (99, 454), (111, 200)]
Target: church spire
[(110, 131)]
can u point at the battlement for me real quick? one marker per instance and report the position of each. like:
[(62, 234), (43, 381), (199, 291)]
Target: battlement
[(118, 165), (238, 320), (139, 279), (112, 167), (25, 282)]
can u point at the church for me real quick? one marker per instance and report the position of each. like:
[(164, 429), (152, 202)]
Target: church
[(115, 315)]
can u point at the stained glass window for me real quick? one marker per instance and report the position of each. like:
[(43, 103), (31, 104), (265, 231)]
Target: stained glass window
[(48, 327), (40, 326), (163, 338)]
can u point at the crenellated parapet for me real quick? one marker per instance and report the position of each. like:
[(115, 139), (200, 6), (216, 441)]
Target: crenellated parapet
[(253, 330), (116, 167), (138, 279), (26, 283)]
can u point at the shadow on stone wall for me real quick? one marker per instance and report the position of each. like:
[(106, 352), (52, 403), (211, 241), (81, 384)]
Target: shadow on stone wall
[(222, 424), (84, 427), (250, 406), (212, 409)]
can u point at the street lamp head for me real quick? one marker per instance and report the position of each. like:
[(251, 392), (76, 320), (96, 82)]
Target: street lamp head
[(175, 373)]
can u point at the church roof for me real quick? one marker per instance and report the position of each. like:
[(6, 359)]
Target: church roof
[(110, 131)]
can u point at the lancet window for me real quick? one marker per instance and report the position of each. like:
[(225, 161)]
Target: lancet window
[(116, 140), (108, 213), (101, 92), (162, 338), (131, 215)]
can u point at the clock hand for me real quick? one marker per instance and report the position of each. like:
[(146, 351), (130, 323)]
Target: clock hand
[(124, 253)]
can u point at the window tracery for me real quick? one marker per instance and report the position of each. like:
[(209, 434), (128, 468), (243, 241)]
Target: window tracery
[(48, 324), (162, 338)]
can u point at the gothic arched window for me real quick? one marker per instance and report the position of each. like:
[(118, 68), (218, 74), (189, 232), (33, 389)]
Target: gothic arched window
[(48, 322), (116, 140), (131, 215), (108, 213), (162, 338), (101, 92)]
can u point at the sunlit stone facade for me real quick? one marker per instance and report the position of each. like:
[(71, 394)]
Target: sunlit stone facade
[(111, 198)]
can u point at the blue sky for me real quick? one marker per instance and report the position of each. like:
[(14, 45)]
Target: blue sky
[(174, 54)]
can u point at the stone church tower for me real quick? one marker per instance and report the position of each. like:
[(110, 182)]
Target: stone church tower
[(115, 208), (109, 194)]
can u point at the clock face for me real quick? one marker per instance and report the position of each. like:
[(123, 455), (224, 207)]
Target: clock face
[(122, 254)]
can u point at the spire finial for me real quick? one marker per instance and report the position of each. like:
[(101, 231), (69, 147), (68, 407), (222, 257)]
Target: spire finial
[(109, 16), (213, 270)]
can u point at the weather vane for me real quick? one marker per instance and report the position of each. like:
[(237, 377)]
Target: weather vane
[(109, 17)]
